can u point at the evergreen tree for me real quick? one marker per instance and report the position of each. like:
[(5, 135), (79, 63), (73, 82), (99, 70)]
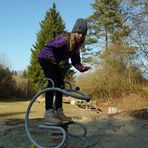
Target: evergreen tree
[(51, 26), (106, 22), (106, 28), (7, 82)]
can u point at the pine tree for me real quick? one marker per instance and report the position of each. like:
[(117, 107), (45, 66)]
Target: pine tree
[(51, 26), (106, 22), (105, 28)]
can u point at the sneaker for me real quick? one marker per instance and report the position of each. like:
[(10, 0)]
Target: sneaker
[(61, 115), (50, 118)]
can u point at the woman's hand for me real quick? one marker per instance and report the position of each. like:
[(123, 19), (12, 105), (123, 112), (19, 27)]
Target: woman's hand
[(82, 68)]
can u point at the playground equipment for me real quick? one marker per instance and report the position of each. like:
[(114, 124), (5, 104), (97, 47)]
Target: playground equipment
[(55, 136)]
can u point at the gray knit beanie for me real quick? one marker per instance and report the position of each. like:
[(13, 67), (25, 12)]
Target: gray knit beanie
[(80, 26)]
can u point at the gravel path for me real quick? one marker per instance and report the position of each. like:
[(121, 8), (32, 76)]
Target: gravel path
[(103, 131)]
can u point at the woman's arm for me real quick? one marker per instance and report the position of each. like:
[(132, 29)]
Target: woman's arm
[(76, 62)]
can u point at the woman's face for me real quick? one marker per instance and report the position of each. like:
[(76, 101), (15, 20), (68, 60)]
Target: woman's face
[(80, 37)]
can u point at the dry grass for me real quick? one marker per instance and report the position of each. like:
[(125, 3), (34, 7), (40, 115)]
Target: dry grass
[(128, 103), (9, 110), (17, 109)]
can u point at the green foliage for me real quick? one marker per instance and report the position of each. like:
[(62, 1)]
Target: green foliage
[(6, 82), (51, 26), (106, 22), (105, 27), (12, 85), (65, 69)]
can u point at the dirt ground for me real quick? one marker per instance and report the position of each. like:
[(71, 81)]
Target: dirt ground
[(126, 129)]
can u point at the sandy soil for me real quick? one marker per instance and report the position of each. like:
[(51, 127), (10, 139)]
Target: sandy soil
[(123, 130)]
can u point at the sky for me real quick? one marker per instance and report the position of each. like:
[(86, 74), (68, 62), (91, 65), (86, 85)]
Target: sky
[(19, 24)]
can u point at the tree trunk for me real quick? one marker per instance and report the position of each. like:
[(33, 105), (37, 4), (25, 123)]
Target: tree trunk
[(106, 40)]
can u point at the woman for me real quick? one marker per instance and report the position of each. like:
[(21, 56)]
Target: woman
[(61, 48)]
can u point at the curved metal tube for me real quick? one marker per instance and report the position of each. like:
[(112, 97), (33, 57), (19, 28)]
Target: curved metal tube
[(81, 96), (82, 136), (46, 79), (83, 127), (27, 123)]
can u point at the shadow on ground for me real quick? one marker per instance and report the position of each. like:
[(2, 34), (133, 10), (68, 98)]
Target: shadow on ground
[(115, 131)]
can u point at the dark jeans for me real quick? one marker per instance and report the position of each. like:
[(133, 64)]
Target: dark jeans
[(53, 72)]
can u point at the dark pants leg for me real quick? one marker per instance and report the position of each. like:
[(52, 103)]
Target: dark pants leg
[(53, 72)]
